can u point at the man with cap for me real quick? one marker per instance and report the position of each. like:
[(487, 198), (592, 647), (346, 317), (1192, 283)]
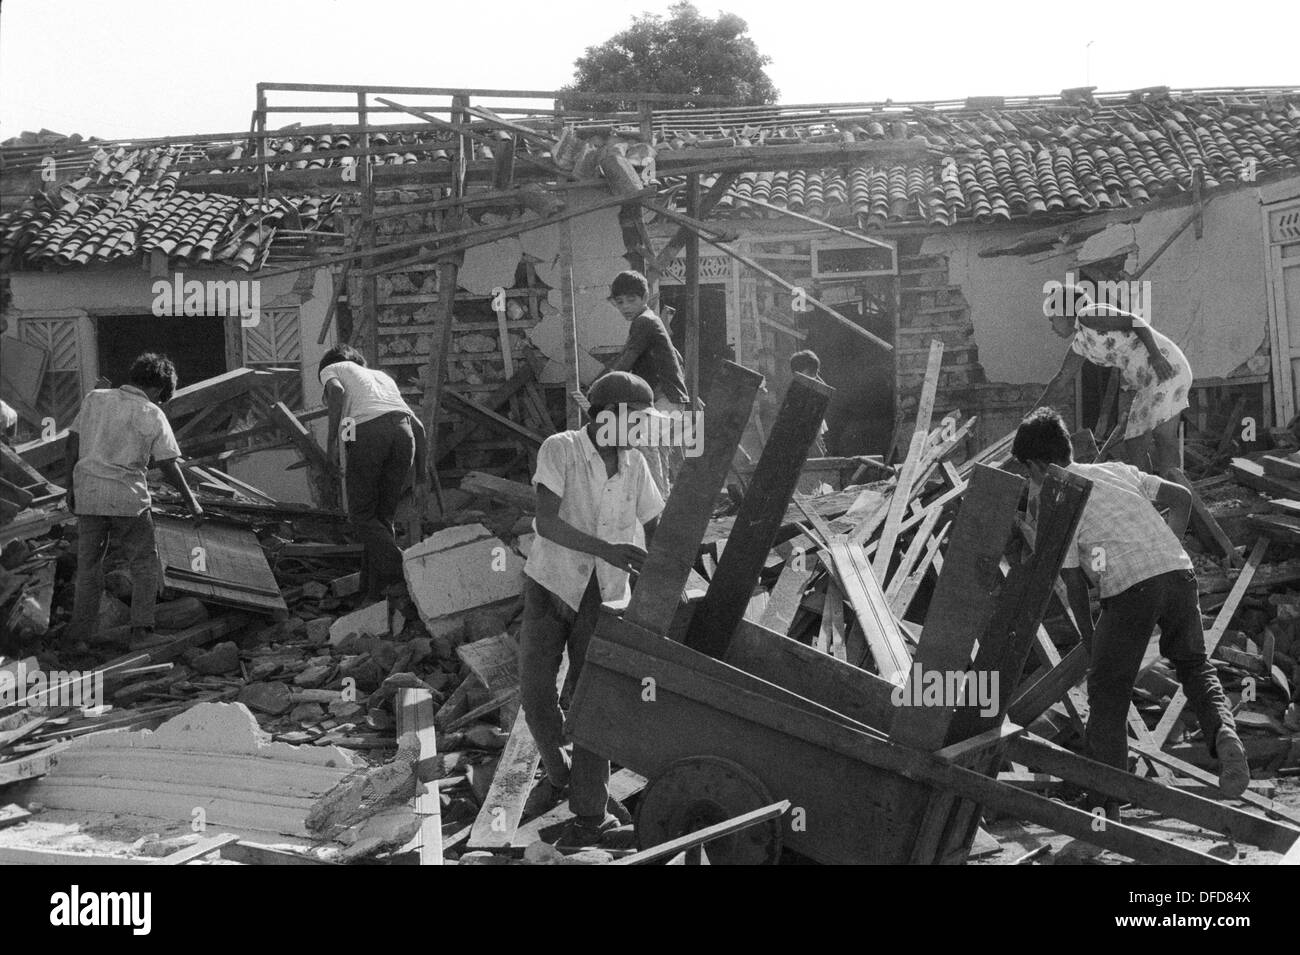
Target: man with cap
[(597, 507)]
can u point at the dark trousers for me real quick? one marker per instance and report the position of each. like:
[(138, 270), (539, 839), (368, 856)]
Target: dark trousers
[(1118, 644), (379, 462), (549, 625), (95, 532)]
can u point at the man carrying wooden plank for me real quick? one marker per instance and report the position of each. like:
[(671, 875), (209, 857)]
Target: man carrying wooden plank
[(1145, 579), (650, 355), (597, 505), (109, 445), (384, 437)]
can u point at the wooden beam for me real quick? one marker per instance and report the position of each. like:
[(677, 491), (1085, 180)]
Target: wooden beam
[(415, 714), (682, 524), (1166, 800), (964, 599), (492, 418), (862, 590), (704, 207), (761, 514), (666, 850), (1006, 642), (503, 807), (1204, 524), (318, 464), (692, 311)]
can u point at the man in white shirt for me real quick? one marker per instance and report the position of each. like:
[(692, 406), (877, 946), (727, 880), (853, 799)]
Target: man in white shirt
[(383, 438), (597, 505)]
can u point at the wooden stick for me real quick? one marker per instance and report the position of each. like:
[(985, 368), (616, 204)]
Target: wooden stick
[(415, 715), (669, 849)]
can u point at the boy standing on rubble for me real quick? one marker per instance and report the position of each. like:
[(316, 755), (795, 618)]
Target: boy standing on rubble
[(1145, 579), (110, 443), (595, 499), (649, 354), (384, 438)]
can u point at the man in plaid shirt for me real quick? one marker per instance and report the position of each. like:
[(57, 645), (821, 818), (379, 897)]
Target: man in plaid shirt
[(1135, 559)]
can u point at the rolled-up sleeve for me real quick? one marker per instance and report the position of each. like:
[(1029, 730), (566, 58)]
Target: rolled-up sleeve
[(550, 466)]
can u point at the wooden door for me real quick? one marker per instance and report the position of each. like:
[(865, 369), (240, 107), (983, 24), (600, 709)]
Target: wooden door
[(1282, 225)]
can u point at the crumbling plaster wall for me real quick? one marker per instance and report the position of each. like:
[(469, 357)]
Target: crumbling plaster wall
[(1208, 294), (597, 244)]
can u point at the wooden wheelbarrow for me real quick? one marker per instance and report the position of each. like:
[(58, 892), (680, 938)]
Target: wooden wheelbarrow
[(734, 717)]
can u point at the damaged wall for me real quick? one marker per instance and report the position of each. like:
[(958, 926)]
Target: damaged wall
[(1208, 294)]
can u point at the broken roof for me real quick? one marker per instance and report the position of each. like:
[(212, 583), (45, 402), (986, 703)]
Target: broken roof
[(982, 160)]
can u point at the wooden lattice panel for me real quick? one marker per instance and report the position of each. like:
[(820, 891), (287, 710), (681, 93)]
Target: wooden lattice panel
[(1284, 225), (60, 395), (276, 342)]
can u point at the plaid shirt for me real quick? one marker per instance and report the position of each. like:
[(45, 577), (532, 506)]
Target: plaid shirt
[(1122, 539)]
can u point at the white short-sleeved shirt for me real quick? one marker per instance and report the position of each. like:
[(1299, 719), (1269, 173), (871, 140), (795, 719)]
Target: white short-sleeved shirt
[(119, 430), (1122, 540), (610, 508), (369, 393)]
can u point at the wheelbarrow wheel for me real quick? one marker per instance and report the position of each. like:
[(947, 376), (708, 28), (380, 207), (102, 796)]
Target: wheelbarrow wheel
[(701, 791)]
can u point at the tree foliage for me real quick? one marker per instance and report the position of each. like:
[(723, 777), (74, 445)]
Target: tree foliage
[(685, 53)]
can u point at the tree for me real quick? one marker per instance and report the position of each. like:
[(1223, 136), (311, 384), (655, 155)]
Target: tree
[(686, 53)]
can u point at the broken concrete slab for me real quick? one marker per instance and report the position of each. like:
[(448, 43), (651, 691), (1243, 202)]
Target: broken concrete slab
[(211, 763), (461, 568), (371, 620)]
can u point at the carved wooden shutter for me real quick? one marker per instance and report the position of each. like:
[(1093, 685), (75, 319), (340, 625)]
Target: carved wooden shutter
[(60, 394), (276, 342)]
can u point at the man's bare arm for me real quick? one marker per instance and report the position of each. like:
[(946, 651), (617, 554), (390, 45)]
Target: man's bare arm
[(1178, 500)]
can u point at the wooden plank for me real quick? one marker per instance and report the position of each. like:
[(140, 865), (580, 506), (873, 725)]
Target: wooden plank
[(1247, 472), (1183, 768), (862, 589), (666, 850), (204, 847), (907, 590), (898, 505), (964, 599), (1167, 800), (204, 394), (318, 464), (498, 818), (1005, 643), (761, 513), (788, 593), (415, 715), (681, 526), (830, 639), (515, 493), (1160, 735), (915, 550), (1277, 466), (1204, 524), (492, 419)]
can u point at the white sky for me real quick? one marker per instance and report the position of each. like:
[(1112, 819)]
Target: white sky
[(170, 67)]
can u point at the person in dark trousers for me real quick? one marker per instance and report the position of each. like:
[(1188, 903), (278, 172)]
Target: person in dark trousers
[(110, 443), (807, 363), (597, 506), (649, 354), (1145, 579), (383, 438)]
